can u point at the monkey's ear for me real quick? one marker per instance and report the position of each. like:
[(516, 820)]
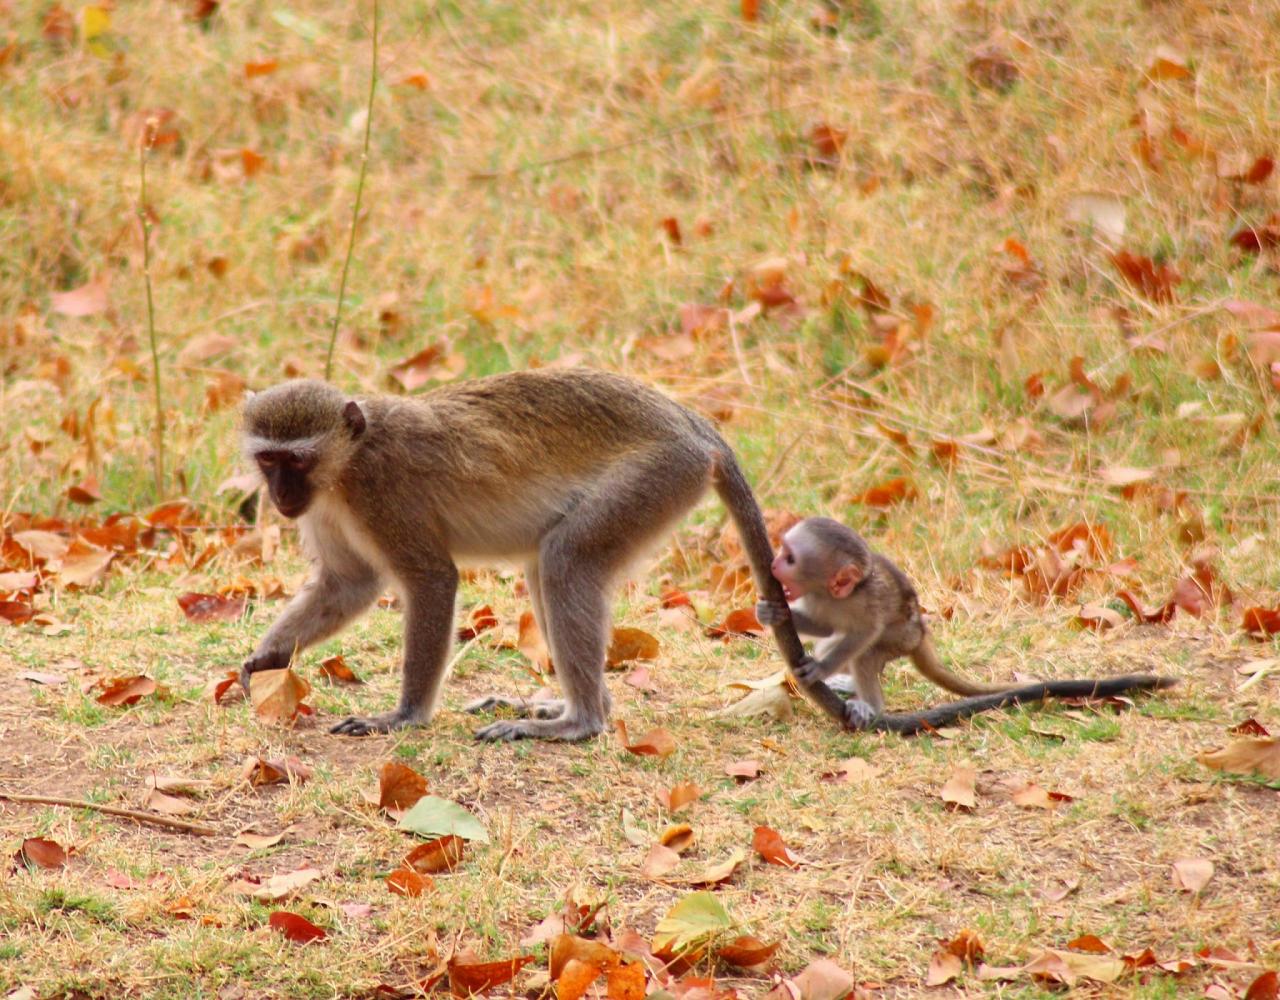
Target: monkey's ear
[(843, 581), (353, 416)]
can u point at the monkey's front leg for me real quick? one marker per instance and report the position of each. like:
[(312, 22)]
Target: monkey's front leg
[(428, 633), (328, 601), (833, 654)]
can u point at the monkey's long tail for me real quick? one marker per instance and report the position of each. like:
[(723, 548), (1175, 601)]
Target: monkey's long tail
[(735, 493), (909, 723)]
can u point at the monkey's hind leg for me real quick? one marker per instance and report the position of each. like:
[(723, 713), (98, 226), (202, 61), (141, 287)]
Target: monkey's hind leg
[(525, 708), (578, 561)]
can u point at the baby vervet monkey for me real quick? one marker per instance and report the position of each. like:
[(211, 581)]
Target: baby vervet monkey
[(864, 612)]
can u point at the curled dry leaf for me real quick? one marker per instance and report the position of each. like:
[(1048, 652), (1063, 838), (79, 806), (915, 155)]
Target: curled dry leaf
[(679, 837), (660, 861), (482, 620), (278, 886), (468, 977), (576, 978), (226, 689), (1192, 874), (123, 691), (399, 786), (443, 854), (630, 644), (336, 671), (1250, 756), (38, 852), (678, 796), (277, 694), (1250, 727), (1090, 943), (258, 841), (655, 743), (531, 643), (943, 967), (170, 805), (746, 952), (743, 770), (296, 928), (566, 948), (852, 769), (960, 792), (259, 771), (212, 607), (407, 882), (820, 980), (966, 946), (740, 622), (1032, 796), (720, 872), (1068, 967), (773, 702), (769, 844)]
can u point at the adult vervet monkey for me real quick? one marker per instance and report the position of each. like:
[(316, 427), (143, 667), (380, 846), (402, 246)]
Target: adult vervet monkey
[(573, 473), (865, 613)]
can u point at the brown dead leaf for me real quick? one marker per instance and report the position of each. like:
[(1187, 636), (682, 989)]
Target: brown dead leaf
[(743, 770), (629, 644), (433, 363), (888, 494), (277, 886), (89, 299), (720, 872), (768, 843), (943, 967), (336, 671), (655, 743), (38, 852), (123, 691), (851, 769), (1256, 756), (959, 792), (259, 771), (1068, 967), (1192, 874), (531, 643), (1033, 796), (443, 854), (408, 882), (746, 952), (296, 928), (660, 861), (468, 977), (482, 620), (740, 622), (678, 796), (277, 695), (400, 786), (212, 607), (820, 980), (84, 566), (679, 837), (85, 492)]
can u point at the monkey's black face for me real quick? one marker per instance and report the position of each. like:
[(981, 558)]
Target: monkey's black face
[(288, 476)]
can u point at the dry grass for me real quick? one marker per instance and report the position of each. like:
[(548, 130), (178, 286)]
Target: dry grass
[(570, 260)]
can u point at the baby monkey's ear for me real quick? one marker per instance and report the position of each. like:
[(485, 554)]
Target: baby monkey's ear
[(843, 580), (353, 416)]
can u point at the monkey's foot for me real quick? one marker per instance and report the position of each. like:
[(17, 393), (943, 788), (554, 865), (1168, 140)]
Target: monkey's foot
[(526, 708), (772, 612), (568, 730), (859, 715), (356, 726)]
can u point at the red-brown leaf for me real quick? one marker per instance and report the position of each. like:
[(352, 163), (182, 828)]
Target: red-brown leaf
[(1154, 281), (407, 882), (37, 852), (746, 952), (769, 845), (399, 786), (439, 855), (297, 929), (212, 607), (887, 494), (118, 691), (336, 671), (470, 978)]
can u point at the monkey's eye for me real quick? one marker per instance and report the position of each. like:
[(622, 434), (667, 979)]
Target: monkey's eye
[(791, 560), (267, 461)]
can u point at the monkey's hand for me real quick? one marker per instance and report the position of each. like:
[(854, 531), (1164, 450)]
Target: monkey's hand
[(810, 671), (357, 726), (858, 714), (772, 612), (263, 660)]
